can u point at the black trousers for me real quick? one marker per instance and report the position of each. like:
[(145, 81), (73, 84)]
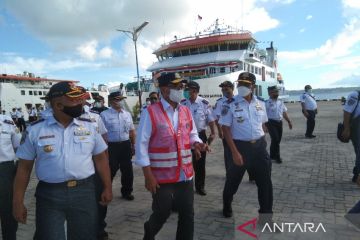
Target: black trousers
[(102, 210), (199, 165), (227, 155), (275, 130), (120, 158), (21, 124), (310, 123), (257, 163), (355, 139), (179, 195), (8, 223)]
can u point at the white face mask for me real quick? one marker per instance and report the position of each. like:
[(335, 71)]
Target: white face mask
[(176, 95), (97, 105), (243, 91)]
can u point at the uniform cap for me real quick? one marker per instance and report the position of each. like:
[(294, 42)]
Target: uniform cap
[(193, 85), (247, 77), (227, 84), (273, 88), (167, 78), (98, 98), (308, 87), (68, 89), (116, 96)]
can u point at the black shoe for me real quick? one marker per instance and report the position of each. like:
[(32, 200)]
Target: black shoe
[(354, 178), (201, 191), (103, 236), (310, 136), (278, 160), (227, 212), (128, 197)]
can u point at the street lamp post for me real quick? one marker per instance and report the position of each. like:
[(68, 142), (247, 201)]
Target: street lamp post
[(134, 34)]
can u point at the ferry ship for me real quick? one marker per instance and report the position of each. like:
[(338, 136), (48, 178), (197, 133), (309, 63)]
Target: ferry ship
[(25, 91), (217, 54)]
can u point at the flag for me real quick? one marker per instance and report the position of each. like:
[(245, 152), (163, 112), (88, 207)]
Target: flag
[(199, 17)]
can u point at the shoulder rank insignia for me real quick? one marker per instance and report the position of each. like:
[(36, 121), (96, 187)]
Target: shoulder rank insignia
[(84, 119), (93, 111), (204, 101), (144, 107), (351, 102), (38, 121), (9, 122), (219, 99), (183, 100)]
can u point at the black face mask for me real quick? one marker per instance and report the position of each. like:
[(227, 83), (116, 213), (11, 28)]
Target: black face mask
[(275, 96), (74, 111)]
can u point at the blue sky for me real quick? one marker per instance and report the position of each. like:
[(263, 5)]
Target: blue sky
[(318, 41)]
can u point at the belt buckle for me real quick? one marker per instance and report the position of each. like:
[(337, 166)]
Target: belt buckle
[(71, 183), (253, 141)]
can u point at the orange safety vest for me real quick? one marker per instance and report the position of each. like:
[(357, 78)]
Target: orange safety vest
[(170, 150)]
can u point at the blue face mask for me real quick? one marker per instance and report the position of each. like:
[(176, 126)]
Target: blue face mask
[(186, 94)]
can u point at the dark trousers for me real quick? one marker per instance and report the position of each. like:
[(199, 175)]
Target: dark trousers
[(56, 204), (275, 130), (120, 158), (8, 223), (310, 123), (199, 165), (355, 139), (180, 196), (258, 165), (102, 210), (227, 155), (32, 118), (21, 124)]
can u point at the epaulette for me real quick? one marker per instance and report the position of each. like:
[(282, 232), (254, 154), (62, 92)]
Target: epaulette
[(204, 101), (38, 121), (230, 100), (9, 122), (93, 111), (260, 98), (84, 119), (144, 107), (219, 99), (184, 100)]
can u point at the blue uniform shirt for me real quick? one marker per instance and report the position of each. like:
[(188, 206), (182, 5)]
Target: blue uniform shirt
[(275, 109), (245, 119), (61, 154)]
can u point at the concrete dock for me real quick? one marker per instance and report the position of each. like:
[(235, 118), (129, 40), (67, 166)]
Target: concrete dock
[(312, 185)]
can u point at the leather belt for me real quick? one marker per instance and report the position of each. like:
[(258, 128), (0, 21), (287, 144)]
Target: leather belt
[(251, 141), (70, 183)]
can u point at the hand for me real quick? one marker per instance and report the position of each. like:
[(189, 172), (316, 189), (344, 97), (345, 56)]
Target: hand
[(306, 114), (265, 128), (211, 138), (132, 150), (346, 133), (106, 197), (200, 147), (20, 213), (151, 184), (237, 158), (290, 125)]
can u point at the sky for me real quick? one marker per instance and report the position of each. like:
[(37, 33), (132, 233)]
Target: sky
[(318, 41)]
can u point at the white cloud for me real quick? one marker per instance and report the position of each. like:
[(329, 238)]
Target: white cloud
[(88, 50), (351, 3), (106, 52), (302, 30), (308, 17)]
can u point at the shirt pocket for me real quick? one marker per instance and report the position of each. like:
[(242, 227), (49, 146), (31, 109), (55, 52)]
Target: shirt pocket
[(83, 144), (5, 137), (240, 116), (260, 115), (47, 148)]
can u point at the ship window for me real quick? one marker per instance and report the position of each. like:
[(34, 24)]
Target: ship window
[(223, 47), (241, 65), (185, 52), (212, 70), (203, 50), (177, 54), (243, 46), (222, 69), (252, 69), (30, 92), (35, 93), (234, 46), (194, 51), (40, 93), (22, 92), (44, 93), (260, 71), (213, 48), (256, 70)]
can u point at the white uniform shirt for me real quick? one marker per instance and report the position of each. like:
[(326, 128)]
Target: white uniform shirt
[(309, 101), (275, 109), (351, 102), (245, 119), (62, 154), (95, 119), (201, 111), (19, 114), (142, 140), (9, 138), (118, 124)]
